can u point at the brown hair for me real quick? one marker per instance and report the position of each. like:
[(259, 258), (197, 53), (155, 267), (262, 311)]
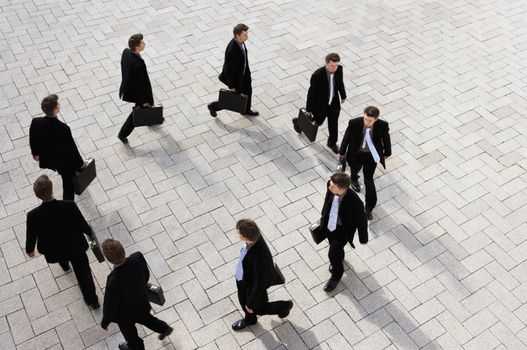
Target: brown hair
[(341, 180), (371, 111), (49, 103), (135, 41), (43, 188), (248, 229), (333, 57), (113, 251), (239, 28)]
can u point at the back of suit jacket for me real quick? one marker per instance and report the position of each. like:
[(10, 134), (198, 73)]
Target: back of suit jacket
[(354, 136), (125, 297), (318, 93), (135, 84), (57, 228), (233, 72), (51, 140)]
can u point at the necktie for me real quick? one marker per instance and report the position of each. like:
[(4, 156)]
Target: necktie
[(331, 89), (244, 50), (333, 214), (371, 146)]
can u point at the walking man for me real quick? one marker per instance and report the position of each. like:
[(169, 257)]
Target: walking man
[(323, 97), (342, 215), (57, 228), (126, 299), (236, 73), (255, 272), (52, 145), (135, 85), (366, 143)]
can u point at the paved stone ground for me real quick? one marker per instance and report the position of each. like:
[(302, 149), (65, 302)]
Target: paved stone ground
[(446, 264)]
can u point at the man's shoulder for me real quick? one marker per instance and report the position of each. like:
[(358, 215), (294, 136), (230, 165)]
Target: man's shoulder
[(319, 71), (356, 121)]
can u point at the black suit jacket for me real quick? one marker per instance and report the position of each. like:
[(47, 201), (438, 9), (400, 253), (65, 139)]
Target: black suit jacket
[(351, 213), (51, 140), (135, 86), (57, 228), (354, 136), (318, 93), (232, 73), (258, 273), (126, 295)]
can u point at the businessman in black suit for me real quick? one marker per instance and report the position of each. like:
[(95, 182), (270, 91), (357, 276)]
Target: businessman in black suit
[(52, 145), (323, 97), (126, 299), (56, 228), (255, 272), (135, 85), (236, 73), (342, 215), (366, 143)]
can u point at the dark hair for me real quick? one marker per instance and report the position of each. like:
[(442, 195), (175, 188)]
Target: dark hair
[(135, 41), (113, 251), (49, 104), (333, 57), (248, 229), (239, 28), (341, 180), (371, 111), (43, 188)]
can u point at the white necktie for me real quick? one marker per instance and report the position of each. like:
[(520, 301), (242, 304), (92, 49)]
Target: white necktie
[(371, 146), (331, 92)]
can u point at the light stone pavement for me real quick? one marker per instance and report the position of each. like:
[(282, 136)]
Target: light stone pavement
[(446, 265)]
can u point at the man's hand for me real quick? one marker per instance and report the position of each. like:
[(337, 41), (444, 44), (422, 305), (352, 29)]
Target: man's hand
[(146, 104), (31, 255), (36, 157), (232, 90), (343, 100), (342, 157), (249, 310)]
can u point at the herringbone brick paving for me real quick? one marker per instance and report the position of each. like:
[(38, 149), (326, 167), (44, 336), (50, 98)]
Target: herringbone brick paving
[(446, 264)]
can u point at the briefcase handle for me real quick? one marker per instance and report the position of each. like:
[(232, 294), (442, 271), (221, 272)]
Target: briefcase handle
[(233, 92)]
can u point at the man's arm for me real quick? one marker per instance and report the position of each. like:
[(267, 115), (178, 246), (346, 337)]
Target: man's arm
[(72, 149), (33, 142), (80, 221), (31, 236), (233, 77), (359, 216), (342, 89), (311, 102), (345, 142), (386, 141), (145, 266), (111, 304)]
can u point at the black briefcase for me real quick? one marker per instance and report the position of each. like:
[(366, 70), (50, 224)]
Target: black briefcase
[(232, 101), (147, 116), (155, 294), (96, 248), (278, 277), (308, 126), (83, 178), (318, 233)]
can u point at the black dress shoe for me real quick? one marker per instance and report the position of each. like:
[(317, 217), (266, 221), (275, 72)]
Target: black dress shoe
[(252, 113), (124, 346), (123, 139), (166, 333), (355, 185), (212, 111), (330, 285), (94, 306), (334, 148), (286, 311), (241, 324), (368, 214), (295, 125)]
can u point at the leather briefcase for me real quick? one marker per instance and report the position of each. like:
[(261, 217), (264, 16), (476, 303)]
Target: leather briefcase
[(308, 126), (83, 178), (232, 101), (318, 233), (147, 116), (155, 294), (96, 248), (278, 277)]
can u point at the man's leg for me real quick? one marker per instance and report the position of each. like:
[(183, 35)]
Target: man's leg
[(65, 265), (155, 324), (129, 332), (81, 267), (371, 193), (67, 186), (333, 126), (355, 167), (280, 308), (127, 127), (247, 89), (242, 298), (337, 242)]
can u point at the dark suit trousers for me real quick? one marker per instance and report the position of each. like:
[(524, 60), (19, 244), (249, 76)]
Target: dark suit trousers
[(337, 242), (265, 308), (81, 268), (332, 113), (128, 125), (129, 330), (365, 161), (67, 186)]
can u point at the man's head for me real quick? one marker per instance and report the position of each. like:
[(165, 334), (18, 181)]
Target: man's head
[(248, 230), (339, 183), (240, 32), (371, 115), (113, 251), (43, 188), (332, 62), (136, 43), (50, 105)]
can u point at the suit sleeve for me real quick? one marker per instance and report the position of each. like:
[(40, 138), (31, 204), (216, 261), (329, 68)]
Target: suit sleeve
[(361, 221), (342, 89), (345, 141), (145, 265), (233, 78), (80, 221), (311, 94), (76, 158), (111, 304), (31, 235), (386, 141), (259, 270), (33, 140)]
